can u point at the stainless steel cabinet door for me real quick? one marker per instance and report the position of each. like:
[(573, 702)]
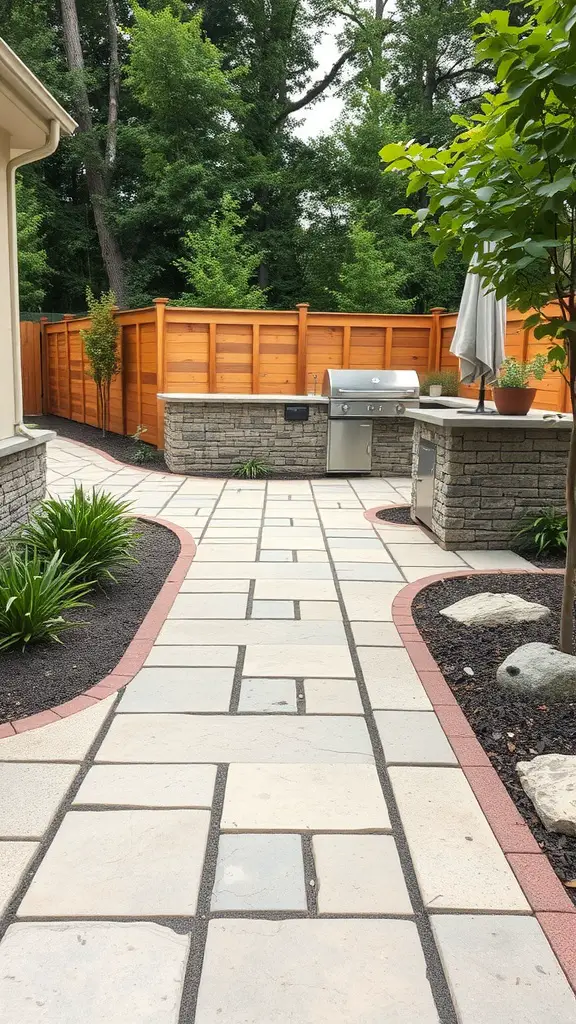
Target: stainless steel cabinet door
[(425, 482), (349, 446)]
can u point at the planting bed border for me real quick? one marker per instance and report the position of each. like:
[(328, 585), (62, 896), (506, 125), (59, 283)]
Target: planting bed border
[(138, 649), (370, 515), (543, 889)]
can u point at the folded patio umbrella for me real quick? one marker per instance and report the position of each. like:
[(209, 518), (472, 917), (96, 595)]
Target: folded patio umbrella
[(478, 340)]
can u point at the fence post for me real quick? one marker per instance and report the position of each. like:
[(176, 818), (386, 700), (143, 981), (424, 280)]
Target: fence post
[(44, 382), (435, 345), (302, 308), (255, 359), (211, 357), (160, 366), (66, 318)]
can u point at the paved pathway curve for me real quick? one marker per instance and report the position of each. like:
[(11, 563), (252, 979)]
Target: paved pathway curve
[(269, 825)]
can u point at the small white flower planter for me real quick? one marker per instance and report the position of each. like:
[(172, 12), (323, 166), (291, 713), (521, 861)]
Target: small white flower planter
[(435, 390)]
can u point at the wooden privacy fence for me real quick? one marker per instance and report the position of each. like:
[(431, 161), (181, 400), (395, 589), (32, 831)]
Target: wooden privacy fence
[(176, 349)]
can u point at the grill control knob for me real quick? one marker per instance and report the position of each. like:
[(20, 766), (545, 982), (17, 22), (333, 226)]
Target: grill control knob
[(345, 407), (400, 409), (370, 408)]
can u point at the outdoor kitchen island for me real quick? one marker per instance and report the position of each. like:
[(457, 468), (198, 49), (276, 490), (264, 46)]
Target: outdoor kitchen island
[(473, 475), (290, 434)]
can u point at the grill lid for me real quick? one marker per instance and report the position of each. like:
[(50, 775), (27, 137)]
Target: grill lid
[(371, 384)]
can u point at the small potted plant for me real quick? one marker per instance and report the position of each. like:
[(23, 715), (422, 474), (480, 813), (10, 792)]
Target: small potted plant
[(512, 396), (440, 382)]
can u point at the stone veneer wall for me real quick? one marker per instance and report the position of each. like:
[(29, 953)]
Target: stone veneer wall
[(22, 485), (392, 440), (214, 436), (485, 479)]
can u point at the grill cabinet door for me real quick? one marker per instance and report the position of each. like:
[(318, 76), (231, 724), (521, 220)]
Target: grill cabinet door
[(349, 446)]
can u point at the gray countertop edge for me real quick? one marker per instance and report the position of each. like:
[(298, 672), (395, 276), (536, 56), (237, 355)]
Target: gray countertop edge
[(232, 398), (20, 443), (452, 418)]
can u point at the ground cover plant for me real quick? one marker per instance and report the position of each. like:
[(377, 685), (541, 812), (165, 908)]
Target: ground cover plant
[(34, 595)]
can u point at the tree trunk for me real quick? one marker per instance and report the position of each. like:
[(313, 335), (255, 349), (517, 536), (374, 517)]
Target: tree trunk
[(97, 170), (569, 592), (376, 77)]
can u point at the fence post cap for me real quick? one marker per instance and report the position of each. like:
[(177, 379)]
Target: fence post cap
[(68, 316), (437, 309), (301, 305), (164, 301)]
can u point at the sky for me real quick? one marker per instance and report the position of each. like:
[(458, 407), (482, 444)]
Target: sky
[(317, 118)]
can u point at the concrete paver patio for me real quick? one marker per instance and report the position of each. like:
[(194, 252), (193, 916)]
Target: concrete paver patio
[(269, 823)]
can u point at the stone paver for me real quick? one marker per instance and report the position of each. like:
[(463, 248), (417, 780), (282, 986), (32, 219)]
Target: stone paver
[(270, 695), (208, 606), (148, 785), (259, 872), (507, 963), (68, 740), (413, 737), (93, 971), (299, 660), (14, 859), (459, 864), (241, 738), (272, 609), (121, 863), (30, 795), (179, 689), (359, 875), (276, 702), (303, 797), (332, 697), (391, 680), (314, 972)]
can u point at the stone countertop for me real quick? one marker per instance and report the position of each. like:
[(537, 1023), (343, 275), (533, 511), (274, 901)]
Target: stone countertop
[(21, 442), (261, 399), (537, 419)]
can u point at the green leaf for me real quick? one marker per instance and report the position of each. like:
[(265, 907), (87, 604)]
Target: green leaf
[(392, 152), (559, 185), (531, 321)]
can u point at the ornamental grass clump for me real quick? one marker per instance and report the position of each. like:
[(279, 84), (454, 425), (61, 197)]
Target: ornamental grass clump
[(93, 533), (34, 594), (544, 532)]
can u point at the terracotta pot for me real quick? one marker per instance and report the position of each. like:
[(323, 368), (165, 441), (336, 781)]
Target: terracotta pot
[(514, 401)]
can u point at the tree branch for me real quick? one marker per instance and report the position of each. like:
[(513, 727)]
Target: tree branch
[(317, 89)]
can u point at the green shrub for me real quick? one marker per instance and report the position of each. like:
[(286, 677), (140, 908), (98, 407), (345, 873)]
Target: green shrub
[(34, 594), (517, 375), (447, 378), (251, 469), (544, 532), (143, 452), (91, 532)]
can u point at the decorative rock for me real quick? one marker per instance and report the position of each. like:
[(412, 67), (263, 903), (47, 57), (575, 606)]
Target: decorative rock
[(550, 782), (489, 609), (535, 667)]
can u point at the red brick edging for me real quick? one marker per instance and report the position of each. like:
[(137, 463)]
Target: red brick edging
[(370, 515), (135, 654), (543, 889)]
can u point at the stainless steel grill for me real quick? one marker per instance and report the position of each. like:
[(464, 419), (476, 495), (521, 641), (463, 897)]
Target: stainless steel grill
[(356, 398)]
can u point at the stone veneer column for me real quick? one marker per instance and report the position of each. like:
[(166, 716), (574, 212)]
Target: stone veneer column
[(22, 485), (487, 478)]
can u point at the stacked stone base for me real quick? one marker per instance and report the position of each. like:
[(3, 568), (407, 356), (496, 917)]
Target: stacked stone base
[(214, 437), (204, 437), (22, 485), (487, 479)]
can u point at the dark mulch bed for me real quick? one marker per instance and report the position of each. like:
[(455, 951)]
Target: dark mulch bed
[(399, 514), (511, 728), (550, 561), (116, 445), (51, 673)]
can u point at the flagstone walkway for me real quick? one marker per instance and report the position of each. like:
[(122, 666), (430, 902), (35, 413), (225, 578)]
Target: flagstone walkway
[(269, 825)]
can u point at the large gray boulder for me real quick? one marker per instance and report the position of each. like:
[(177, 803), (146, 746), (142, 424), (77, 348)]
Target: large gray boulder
[(532, 668), (489, 609), (550, 782)]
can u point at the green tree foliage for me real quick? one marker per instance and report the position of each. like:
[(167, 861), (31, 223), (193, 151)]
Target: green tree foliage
[(33, 270), (509, 180), (101, 347), (219, 266), (368, 282), (180, 102)]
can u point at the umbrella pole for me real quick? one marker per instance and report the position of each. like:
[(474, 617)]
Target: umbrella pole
[(480, 409)]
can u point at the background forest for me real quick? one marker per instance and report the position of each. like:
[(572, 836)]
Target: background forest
[(188, 176)]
